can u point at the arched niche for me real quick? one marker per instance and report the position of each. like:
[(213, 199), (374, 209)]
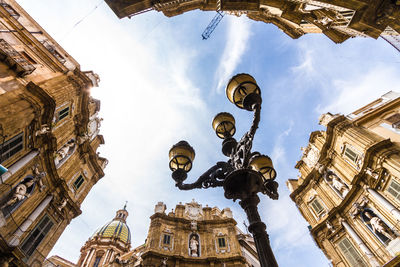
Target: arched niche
[(377, 226), (194, 245), (64, 153), (17, 195)]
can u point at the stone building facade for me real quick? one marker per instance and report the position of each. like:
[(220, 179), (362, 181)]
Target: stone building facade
[(349, 185), (337, 19), (190, 235), (49, 134)]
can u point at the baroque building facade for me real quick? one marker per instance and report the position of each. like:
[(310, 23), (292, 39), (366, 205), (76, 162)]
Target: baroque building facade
[(349, 185), (49, 134), (189, 235), (337, 19)]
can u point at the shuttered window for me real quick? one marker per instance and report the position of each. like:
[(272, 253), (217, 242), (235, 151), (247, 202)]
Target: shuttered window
[(167, 239), (394, 189), (78, 182), (317, 207), (351, 254), (11, 147), (351, 154), (221, 242), (36, 235)]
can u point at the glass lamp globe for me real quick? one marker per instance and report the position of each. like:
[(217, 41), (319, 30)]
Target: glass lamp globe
[(224, 125), (243, 86), (263, 164), (181, 156)]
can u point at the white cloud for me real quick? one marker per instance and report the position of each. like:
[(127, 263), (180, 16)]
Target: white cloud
[(237, 41), (347, 95)]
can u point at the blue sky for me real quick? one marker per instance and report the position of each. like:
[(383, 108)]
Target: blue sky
[(161, 83)]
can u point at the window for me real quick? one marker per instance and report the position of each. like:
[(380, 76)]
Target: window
[(317, 207), (36, 235), (166, 239), (351, 254), (78, 182), (63, 113), (394, 189), (11, 147), (221, 242), (97, 261), (351, 155)]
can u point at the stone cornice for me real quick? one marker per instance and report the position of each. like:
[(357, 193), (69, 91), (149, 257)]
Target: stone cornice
[(377, 111), (187, 221), (198, 260), (49, 104)]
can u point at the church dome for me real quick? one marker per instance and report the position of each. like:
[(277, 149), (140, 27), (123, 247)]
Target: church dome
[(117, 228)]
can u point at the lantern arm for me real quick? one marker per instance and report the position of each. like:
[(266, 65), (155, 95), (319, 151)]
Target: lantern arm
[(214, 177), (241, 154)]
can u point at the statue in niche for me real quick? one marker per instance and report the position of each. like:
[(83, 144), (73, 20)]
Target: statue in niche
[(378, 226), (333, 180), (23, 190), (194, 246), (64, 151), (164, 262)]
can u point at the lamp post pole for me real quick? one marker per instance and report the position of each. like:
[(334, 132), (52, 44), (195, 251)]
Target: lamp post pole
[(245, 173)]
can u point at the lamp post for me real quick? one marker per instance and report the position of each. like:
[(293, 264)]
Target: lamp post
[(245, 173)]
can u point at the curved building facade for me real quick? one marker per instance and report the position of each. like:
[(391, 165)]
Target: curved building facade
[(349, 185)]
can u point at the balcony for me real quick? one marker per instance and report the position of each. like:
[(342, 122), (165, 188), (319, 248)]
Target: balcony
[(14, 59), (51, 48)]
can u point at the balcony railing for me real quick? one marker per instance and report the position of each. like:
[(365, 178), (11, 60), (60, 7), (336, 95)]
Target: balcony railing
[(14, 59), (9, 9), (51, 48)]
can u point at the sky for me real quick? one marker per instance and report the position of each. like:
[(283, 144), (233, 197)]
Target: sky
[(161, 83)]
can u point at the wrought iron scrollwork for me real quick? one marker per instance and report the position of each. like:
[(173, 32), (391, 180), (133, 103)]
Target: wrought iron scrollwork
[(214, 177), (241, 154)]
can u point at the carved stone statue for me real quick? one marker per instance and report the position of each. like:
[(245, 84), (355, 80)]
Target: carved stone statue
[(62, 204), (378, 226), (193, 246), (63, 152), (332, 179), (38, 176), (44, 130), (164, 262), (330, 227), (20, 192)]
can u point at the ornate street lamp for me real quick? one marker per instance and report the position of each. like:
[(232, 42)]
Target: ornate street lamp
[(245, 173)]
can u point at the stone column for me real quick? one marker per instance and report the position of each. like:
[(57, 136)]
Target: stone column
[(361, 244), (84, 260), (105, 257), (15, 238), (90, 257), (18, 165), (383, 201)]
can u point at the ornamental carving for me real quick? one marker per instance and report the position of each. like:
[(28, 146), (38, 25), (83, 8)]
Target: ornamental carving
[(310, 155), (193, 210)]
